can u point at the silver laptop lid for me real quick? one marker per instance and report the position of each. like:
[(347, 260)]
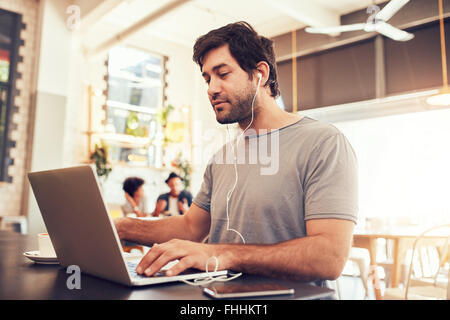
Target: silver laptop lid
[(77, 220)]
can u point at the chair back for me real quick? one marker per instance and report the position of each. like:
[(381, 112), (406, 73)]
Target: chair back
[(430, 254), (448, 285)]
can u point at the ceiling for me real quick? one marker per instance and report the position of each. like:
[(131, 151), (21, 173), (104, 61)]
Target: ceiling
[(186, 20)]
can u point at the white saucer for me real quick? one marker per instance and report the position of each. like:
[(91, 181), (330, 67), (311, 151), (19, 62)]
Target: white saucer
[(37, 258)]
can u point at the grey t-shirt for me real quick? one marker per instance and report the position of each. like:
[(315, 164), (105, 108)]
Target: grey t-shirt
[(307, 170)]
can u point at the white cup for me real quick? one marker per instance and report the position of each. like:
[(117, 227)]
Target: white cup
[(45, 245)]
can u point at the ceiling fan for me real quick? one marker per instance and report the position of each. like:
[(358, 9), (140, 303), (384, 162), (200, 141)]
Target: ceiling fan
[(375, 23)]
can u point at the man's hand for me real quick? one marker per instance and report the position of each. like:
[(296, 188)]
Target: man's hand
[(190, 255)]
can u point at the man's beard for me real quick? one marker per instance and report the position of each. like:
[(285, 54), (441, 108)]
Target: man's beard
[(240, 110)]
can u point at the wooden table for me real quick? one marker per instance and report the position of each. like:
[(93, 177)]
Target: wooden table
[(21, 279), (403, 238)]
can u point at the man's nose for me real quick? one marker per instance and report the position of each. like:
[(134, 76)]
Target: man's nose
[(214, 89)]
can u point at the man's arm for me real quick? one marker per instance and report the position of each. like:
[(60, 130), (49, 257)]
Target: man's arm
[(322, 254), (318, 256), (193, 226)]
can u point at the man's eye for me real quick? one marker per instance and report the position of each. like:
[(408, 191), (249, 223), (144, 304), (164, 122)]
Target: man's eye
[(222, 75)]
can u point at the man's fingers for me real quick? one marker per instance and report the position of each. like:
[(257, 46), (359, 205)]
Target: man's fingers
[(162, 260), (148, 259), (161, 255), (158, 257), (183, 264)]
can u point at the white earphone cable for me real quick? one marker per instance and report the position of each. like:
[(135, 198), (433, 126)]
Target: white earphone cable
[(211, 278), (223, 278), (230, 193)]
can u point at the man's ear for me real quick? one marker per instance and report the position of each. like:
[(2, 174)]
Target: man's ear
[(263, 68)]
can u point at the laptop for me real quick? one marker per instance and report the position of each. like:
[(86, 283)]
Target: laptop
[(82, 231)]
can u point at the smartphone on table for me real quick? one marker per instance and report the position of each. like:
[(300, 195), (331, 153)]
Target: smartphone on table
[(232, 290)]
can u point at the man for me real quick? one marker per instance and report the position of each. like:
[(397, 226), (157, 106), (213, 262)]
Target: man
[(295, 224), (175, 202)]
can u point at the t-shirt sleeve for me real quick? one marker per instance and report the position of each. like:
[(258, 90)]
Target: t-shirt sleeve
[(203, 197), (331, 181)]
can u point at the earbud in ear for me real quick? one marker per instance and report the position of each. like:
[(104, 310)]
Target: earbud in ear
[(259, 75)]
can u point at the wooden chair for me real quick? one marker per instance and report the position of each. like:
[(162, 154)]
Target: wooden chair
[(427, 277), (136, 247), (15, 223), (361, 258), (128, 246)]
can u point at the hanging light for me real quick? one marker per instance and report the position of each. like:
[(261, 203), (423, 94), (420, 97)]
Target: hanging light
[(440, 99), (443, 97)]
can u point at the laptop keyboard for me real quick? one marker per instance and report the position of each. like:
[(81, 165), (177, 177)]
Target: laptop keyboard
[(131, 266)]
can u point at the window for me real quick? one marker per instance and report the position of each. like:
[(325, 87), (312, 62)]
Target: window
[(135, 93), (347, 73), (10, 25), (336, 76), (416, 64)]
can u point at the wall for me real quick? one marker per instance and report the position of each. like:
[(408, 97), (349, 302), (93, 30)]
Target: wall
[(403, 156), (11, 193), (50, 123), (44, 89)]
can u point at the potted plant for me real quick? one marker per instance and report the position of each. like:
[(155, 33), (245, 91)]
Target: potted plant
[(162, 116), (184, 169), (101, 160)]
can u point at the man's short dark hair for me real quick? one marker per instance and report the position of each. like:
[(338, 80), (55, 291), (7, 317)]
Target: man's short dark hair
[(131, 184), (246, 46)]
